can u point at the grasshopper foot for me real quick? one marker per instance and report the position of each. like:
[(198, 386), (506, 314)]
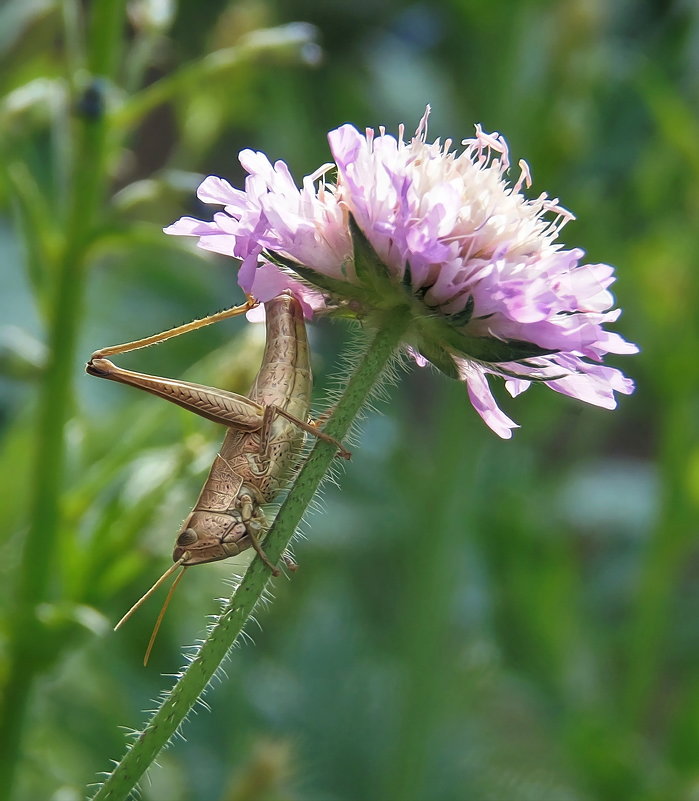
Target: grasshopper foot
[(289, 563), (259, 550), (313, 427), (342, 453)]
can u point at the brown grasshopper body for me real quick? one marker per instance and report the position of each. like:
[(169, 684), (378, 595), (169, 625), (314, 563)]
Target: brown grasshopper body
[(264, 433), (252, 466), (265, 430)]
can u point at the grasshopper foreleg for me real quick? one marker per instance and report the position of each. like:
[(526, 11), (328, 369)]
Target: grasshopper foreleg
[(255, 525)]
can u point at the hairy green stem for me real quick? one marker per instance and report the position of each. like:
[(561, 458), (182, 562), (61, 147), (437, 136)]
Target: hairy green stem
[(193, 682), (29, 649)]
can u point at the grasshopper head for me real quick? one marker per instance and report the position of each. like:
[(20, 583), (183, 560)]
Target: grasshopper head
[(209, 537)]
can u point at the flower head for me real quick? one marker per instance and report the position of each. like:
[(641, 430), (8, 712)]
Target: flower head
[(416, 228)]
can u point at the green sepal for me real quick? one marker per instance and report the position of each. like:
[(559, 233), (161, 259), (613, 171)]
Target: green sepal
[(422, 291), (342, 289), (407, 280), (370, 270), (439, 358), (489, 349), (461, 318), (484, 349), (503, 373)]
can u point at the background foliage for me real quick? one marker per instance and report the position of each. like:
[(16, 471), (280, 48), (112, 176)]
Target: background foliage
[(472, 618)]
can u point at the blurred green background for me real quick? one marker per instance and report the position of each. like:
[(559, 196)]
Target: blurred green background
[(472, 618)]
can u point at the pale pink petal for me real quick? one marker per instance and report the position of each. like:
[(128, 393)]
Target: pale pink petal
[(516, 386), (217, 190), (483, 401), (218, 243), (270, 281), (419, 359), (188, 226)]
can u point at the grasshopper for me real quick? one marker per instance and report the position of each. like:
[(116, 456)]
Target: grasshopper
[(264, 433)]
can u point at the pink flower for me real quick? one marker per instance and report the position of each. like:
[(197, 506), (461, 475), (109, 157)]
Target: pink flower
[(444, 235)]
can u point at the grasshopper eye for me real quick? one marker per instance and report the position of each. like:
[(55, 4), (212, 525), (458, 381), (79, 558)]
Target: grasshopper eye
[(187, 537)]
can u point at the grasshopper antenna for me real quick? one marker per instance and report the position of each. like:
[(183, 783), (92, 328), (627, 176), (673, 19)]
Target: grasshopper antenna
[(166, 603), (166, 575)]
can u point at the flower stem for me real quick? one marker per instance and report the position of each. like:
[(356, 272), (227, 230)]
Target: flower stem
[(193, 682)]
